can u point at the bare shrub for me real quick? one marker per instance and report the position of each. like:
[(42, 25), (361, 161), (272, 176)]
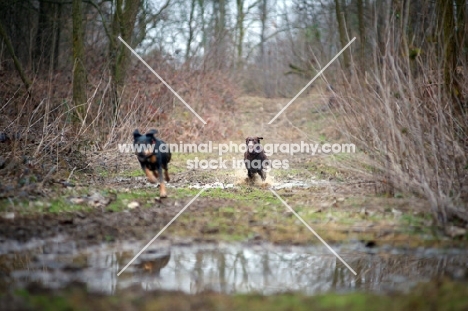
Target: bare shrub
[(404, 119), (43, 129)]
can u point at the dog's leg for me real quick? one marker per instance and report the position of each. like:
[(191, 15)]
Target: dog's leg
[(153, 160), (262, 174), (150, 176), (166, 173), (162, 185), (250, 174), (162, 191)]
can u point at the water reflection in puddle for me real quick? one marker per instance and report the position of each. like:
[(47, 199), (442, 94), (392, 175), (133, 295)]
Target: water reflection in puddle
[(227, 268)]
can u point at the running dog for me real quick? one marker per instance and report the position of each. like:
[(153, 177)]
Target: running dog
[(254, 158), (154, 156)]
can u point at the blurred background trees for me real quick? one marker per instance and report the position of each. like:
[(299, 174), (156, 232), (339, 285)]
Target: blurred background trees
[(245, 38)]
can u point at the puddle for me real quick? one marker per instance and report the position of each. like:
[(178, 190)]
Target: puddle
[(276, 186), (299, 184), (286, 185), (225, 268), (237, 179), (215, 185)]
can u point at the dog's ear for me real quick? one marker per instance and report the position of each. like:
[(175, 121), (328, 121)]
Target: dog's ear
[(259, 138), (136, 134), (152, 132)]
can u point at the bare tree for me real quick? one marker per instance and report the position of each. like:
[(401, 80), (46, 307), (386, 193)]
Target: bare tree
[(191, 30), (79, 72), (340, 18), (123, 23), (19, 68), (362, 31), (240, 26), (48, 33), (263, 56)]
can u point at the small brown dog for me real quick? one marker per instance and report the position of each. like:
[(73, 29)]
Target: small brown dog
[(255, 158)]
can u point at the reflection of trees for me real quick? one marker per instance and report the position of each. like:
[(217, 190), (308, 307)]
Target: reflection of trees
[(8, 264), (243, 270), (197, 279), (222, 271), (266, 269), (227, 269)]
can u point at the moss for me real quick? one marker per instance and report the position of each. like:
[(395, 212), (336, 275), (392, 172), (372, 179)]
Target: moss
[(61, 205), (133, 173)]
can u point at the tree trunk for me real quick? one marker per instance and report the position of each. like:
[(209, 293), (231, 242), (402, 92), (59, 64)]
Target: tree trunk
[(240, 20), (240, 28), (190, 37), (123, 24), (219, 43), (263, 56), (125, 18), (342, 33), (58, 28), (19, 68), (79, 73), (362, 31), (446, 28), (44, 45), (204, 31), (462, 28)]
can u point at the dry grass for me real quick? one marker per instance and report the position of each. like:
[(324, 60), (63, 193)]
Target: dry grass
[(43, 133), (399, 113)]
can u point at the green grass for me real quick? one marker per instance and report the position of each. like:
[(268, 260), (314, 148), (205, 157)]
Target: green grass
[(289, 172), (439, 295), (103, 172), (242, 194), (62, 203), (133, 173), (322, 170), (24, 206)]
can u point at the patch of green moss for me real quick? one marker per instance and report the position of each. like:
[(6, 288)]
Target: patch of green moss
[(133, 173), (103, 172), (61, 205)]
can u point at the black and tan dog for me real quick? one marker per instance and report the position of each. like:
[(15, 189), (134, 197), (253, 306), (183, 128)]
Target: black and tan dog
[(255, 158), (154, 156)]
